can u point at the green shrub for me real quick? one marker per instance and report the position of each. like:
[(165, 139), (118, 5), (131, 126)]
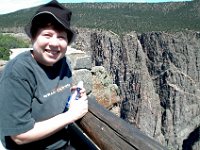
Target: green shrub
[(8, 42)]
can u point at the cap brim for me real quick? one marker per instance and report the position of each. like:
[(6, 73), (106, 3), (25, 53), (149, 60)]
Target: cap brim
[(71, 35)]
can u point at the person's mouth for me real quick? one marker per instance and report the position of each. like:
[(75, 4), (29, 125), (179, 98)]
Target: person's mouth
[(53, 52)]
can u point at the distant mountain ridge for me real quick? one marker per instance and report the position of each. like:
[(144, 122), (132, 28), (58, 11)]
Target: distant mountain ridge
[(122, 17)]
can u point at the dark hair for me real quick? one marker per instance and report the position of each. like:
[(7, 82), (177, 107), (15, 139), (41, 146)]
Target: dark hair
[(45, 20)]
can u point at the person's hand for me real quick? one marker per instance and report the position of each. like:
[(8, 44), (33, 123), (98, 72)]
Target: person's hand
[(78, 108)]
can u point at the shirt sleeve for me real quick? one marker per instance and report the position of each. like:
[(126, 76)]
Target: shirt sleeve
[(15, 106)]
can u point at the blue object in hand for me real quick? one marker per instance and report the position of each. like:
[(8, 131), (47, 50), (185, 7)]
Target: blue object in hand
[(79, 87)]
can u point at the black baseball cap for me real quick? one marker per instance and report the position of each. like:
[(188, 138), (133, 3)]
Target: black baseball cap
[(59, 13)]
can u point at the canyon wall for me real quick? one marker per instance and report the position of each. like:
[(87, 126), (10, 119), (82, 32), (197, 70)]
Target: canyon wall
[(158, 77)]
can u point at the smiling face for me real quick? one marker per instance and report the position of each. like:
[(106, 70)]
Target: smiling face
[(49, 45)]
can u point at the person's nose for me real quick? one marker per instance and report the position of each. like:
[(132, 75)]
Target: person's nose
[(53, 42)]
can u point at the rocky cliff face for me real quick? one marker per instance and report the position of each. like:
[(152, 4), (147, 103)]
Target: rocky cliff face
[(158, 75)]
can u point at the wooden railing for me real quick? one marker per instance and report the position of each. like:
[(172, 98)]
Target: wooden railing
[(110, 132)]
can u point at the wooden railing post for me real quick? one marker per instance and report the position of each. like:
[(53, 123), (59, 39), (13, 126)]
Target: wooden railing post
[(110, 132)]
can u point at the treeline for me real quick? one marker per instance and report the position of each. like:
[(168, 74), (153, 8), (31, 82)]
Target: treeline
[(122, 17)]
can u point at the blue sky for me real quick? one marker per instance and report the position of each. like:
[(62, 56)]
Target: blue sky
[(8, 6)]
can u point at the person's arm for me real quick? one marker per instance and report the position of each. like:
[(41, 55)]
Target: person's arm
[(44, 129)]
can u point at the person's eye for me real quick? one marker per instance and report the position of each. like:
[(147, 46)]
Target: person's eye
[(62, 37), (47, 35)]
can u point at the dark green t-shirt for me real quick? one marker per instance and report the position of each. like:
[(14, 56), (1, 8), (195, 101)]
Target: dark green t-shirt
[(29, 93)]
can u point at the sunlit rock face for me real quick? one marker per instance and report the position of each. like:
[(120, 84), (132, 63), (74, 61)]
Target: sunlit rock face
[(158, 78)]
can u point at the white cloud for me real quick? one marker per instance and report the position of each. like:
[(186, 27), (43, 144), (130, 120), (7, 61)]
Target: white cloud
[(13, 5)]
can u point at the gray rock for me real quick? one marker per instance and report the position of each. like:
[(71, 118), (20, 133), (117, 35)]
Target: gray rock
[(85, 76), (158, 77)]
